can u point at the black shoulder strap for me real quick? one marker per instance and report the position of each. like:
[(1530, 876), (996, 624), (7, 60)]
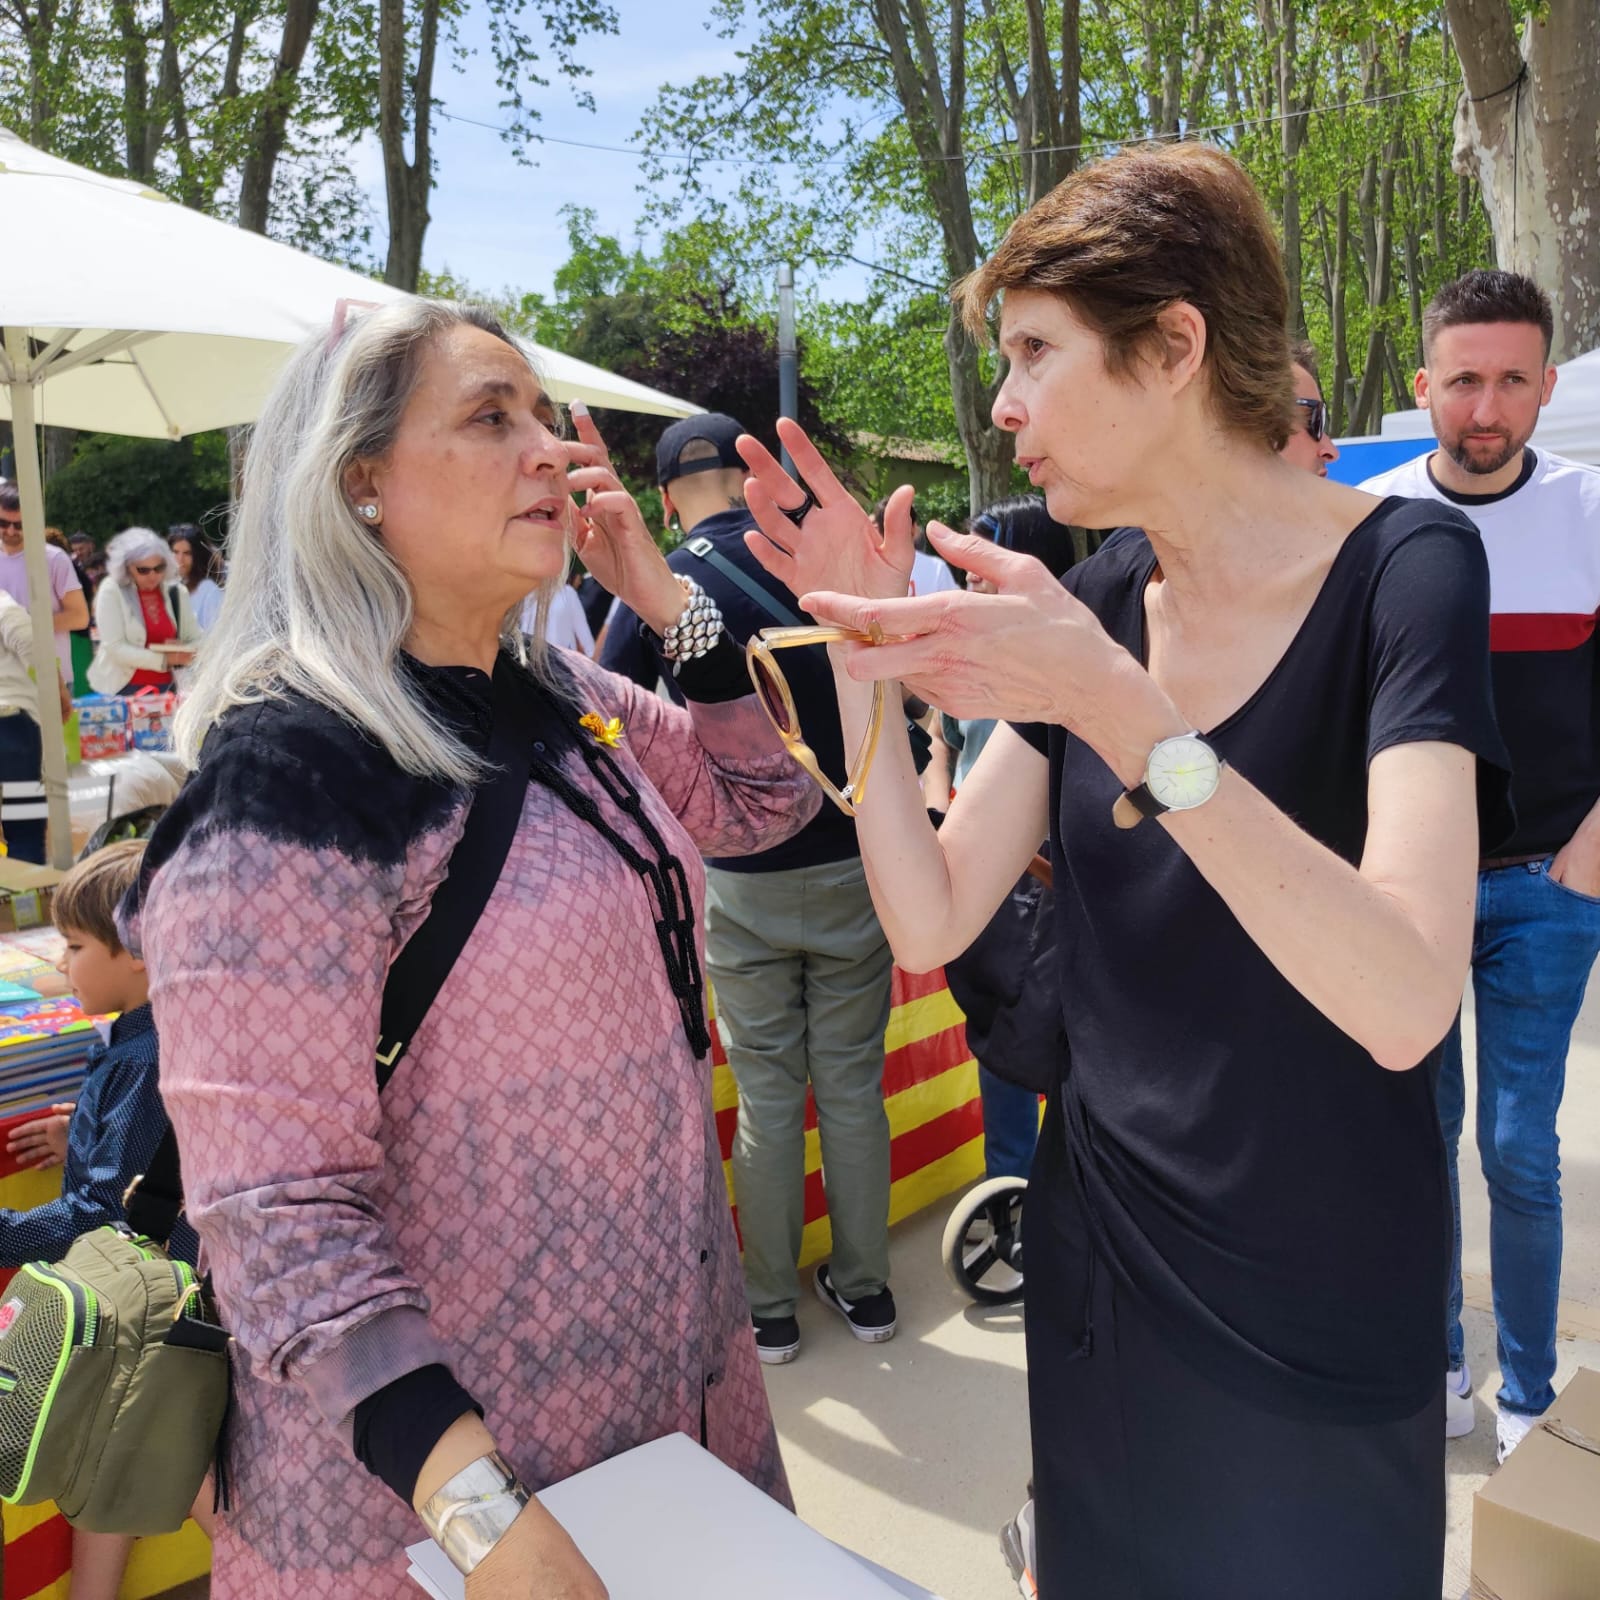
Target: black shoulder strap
[(419, 971), (742, 580)]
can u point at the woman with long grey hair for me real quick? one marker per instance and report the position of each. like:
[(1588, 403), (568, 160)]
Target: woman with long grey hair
[(519, 1260), (143, 617)]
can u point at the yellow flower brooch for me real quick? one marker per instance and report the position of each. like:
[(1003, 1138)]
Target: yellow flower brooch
[(607, 733)]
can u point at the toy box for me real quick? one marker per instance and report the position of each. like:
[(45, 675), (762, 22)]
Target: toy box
[(150, 719), (102, 726)]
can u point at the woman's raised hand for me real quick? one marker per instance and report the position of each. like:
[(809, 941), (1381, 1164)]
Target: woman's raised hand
[(1028, 652), (836, 545), (609, 534)]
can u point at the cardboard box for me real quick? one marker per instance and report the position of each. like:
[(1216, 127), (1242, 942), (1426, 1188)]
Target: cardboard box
[(1536, 1522), (25, 891)]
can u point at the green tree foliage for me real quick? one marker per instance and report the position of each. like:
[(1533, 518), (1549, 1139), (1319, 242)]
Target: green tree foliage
[(114, 483), (929, 124), (674, 320), (377, 63), (202, 99), (879, 364)]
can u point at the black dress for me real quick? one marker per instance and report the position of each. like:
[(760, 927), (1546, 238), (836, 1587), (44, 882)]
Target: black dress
[(1238, 1222)]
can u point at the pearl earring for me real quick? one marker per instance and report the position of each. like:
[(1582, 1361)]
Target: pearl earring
[(370, 513)]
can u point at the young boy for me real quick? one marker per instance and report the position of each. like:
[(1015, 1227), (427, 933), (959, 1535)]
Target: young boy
[(114, 1128)]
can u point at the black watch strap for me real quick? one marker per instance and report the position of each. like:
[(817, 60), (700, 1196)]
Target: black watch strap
[(1134, 805)]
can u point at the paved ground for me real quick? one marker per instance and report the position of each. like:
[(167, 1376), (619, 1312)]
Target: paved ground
[(914, 1452)]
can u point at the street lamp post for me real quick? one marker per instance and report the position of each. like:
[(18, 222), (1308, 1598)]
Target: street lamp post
[(788, 354)]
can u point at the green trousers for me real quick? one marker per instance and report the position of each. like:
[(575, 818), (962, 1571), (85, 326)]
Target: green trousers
[(801, 971)]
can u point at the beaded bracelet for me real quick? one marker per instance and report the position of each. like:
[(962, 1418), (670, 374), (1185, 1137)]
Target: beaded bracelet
[(698, 628)]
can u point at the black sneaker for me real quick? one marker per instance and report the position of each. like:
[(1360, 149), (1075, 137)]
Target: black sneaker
[(871, 1319), (777, 1339)]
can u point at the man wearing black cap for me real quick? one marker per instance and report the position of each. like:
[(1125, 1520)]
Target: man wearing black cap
[(799, 963)]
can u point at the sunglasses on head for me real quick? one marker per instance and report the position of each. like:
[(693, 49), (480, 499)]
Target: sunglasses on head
[(772, 689), (1316, 418)]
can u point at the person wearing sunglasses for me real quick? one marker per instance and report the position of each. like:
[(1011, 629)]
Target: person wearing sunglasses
[(143, 615), (798, 962), (1310, 445), (1258, 726), (70, 610)]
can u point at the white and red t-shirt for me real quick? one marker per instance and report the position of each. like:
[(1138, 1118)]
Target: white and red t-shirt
[(1542, 536)]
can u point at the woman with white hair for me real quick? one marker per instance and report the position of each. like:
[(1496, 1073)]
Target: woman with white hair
[(518, 1260), (142, 613)]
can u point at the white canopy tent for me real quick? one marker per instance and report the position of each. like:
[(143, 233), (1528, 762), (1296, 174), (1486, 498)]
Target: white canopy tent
[(127, 313), (1569, 426)]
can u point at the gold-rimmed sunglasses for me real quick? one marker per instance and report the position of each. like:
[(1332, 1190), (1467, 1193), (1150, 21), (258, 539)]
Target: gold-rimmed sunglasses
[(772, 689)]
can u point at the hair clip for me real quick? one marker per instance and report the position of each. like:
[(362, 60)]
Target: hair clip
[(341, 318)]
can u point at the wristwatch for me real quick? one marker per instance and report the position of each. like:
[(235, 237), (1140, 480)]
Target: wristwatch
[(1183, 772), (471, 1512)]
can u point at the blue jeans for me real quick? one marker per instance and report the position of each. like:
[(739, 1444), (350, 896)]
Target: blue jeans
[(1010, 1126), (1534, 943)]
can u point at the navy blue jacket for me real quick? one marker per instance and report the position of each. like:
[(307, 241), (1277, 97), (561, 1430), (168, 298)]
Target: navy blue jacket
[(114, 1131), (630, 650)]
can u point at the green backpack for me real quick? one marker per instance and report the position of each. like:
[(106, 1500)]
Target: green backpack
[(113, 1385)]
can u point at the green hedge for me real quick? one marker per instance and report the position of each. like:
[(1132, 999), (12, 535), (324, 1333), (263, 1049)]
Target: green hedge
[(113, 483)]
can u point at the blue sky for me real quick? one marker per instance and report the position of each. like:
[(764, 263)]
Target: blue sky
[(494, 222)]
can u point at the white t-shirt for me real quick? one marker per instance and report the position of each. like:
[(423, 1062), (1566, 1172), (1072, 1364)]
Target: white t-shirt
[(569, 627), (17, 687), (930, 574), (206, 600)]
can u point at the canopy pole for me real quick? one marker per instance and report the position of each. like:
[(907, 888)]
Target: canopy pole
[(46, 666)]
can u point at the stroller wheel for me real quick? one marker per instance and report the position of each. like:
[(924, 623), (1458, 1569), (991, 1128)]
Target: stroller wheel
[(983, 1242)]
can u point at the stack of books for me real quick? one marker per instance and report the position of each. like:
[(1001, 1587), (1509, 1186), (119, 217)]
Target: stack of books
[(44, 1034)]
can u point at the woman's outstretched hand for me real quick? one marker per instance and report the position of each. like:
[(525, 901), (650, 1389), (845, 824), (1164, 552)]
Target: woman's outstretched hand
[(837, 545), (1029, 652), (609, 534)]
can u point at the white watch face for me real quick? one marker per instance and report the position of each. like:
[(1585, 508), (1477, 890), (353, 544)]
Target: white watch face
[(1183, 772)]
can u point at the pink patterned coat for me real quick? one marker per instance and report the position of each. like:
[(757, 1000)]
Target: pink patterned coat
[(538, 1199)]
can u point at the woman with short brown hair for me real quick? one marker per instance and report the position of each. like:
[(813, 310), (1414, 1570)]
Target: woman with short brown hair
[(1237, 1217)]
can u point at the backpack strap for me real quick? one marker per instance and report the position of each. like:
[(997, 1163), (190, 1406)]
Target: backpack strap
[(708, 553), (154, 1200)]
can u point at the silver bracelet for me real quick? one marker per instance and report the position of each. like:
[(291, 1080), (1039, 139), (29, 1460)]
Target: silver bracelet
[(698, 628), (473, 1510)]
